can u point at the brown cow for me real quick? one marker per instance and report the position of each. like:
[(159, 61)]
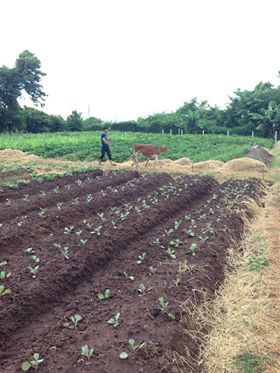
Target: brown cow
[(149, 152)]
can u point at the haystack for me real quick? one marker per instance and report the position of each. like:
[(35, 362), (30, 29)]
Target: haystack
[(183, 161), (245, 165), (208, 165), (16, 155)]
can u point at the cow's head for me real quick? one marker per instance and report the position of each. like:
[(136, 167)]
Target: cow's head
[(163, 149)]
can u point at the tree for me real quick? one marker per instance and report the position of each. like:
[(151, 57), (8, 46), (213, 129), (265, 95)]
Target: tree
[(75, 121), (25, 76)]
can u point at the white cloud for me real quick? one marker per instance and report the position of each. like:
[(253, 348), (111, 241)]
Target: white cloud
[(131, 58)]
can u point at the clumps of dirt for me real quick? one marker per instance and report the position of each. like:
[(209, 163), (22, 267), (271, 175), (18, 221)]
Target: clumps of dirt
[(16, 155), (260, 154), (245, 165)]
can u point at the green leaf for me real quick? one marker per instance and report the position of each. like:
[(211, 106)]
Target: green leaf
[(25, 366), (123, 355)]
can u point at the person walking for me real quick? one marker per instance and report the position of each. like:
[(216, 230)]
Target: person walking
[(105, 146)]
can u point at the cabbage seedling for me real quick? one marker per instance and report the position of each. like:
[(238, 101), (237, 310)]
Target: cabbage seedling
[(175, 242), (193, 248), (163, 303), (168, 231), (76, 319), (83, 242), (34, 270), (34, 363), (89, 198), (3, 263), (152, 270), (130, 277), (4, 291), (177, 281), (141, 258), (68, 230), (171, 253), (101, 216), (30, 250), (123, 355), (87, 352), (35, 258), (177, 224), (97, 230), (42, 212), (4, 275), (105, 295), (183, 266), (115, 320)]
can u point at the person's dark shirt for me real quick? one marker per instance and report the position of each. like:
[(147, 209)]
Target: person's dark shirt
[(104, 136)]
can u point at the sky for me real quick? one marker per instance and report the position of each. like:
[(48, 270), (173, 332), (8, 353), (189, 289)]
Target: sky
[(124, 59)]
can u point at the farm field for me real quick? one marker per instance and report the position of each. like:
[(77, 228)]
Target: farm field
[(86, 145), (114, 261)]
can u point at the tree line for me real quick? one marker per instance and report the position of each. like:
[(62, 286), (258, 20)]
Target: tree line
[(248, 110)]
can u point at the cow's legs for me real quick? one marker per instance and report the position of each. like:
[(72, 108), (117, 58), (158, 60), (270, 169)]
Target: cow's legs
[(135, 160)]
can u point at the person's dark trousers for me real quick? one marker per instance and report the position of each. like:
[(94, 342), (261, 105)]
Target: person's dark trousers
[(105, 149)]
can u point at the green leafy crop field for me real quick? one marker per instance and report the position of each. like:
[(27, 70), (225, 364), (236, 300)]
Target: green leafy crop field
[(86, 145)]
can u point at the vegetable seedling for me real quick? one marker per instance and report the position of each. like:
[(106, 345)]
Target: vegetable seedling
[(152, 270), (189, 232), (115, 321), (4, 275), (35, 258), (169, 231), (76, 319), (175, 242), (141, 258), (123, 355), (101, 216), (177, 224), (83, 242), (4, 290), (183, 266), (171, 253), (177, 281), (87, 351), (34, 363), (3, 263), (34, 270), (68, 230), (105, 295), (142, 289), (89, 198), (163, 303), (129, 277), (42, 212), (30, 250), (193, 248), (97, 230)]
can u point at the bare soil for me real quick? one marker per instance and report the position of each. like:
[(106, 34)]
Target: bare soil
[(114, 226)]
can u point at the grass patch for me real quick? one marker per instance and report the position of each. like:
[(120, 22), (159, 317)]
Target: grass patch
[(85, 146), (247, 362)]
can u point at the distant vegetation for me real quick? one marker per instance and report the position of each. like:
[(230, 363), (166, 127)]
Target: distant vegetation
[(256, 110), (86, 145)]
